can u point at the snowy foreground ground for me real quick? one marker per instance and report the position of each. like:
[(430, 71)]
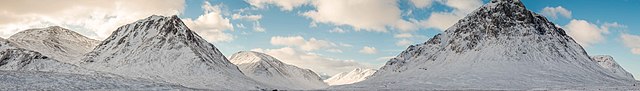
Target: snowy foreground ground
[(31, 80), (594, 88)]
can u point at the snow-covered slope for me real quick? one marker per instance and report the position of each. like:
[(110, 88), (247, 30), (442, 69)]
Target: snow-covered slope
[(31, 80), (163, 48), (18, 59), (324, 76), (6, 44), (23, 69), (501, 45), (269, 70), (354, 76), (56, 42), (26, 60), (607, 62)]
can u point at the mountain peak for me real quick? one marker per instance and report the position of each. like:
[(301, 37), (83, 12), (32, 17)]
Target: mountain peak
[(360, 70), (516, 2), (607, 62), (267, 69), (160, 17), (257, 57), (55, 27), (57, 30), (356, 75), (48, 31), (499, 20), (513, 4), (500, 42), (54, 41), (164, 48), (161, 27)]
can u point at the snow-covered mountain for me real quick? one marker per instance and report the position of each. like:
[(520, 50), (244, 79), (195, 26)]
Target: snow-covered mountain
[(32, 80), (23, 69), (500, 45), (267, 69), (354, 76), (56, 42), (18, 59), (607, 62), (164, 48)]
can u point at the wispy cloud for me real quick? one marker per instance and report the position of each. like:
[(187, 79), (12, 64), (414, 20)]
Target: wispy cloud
[(554, 12)]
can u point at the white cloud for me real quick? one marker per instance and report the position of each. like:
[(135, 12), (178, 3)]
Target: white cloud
[(246, 17), (605, 27), (403, 43), (211, 25), (406, 26), (444, 20), (463, 5), (441, 20), (315, 62), (337, 30), (368, 50), (586, 33), (93, 18), (631, 41), (345, 45), (240, 25), (303, 44), (285, 5), (386, 58), (403, 35), (255, 18), (421, 3), (368, 15), (635, 51), (554, 12), (257, 27), (288, 41), (335, 50)]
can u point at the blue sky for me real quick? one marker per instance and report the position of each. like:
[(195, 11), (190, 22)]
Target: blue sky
[(330, 36), (284, 23)]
